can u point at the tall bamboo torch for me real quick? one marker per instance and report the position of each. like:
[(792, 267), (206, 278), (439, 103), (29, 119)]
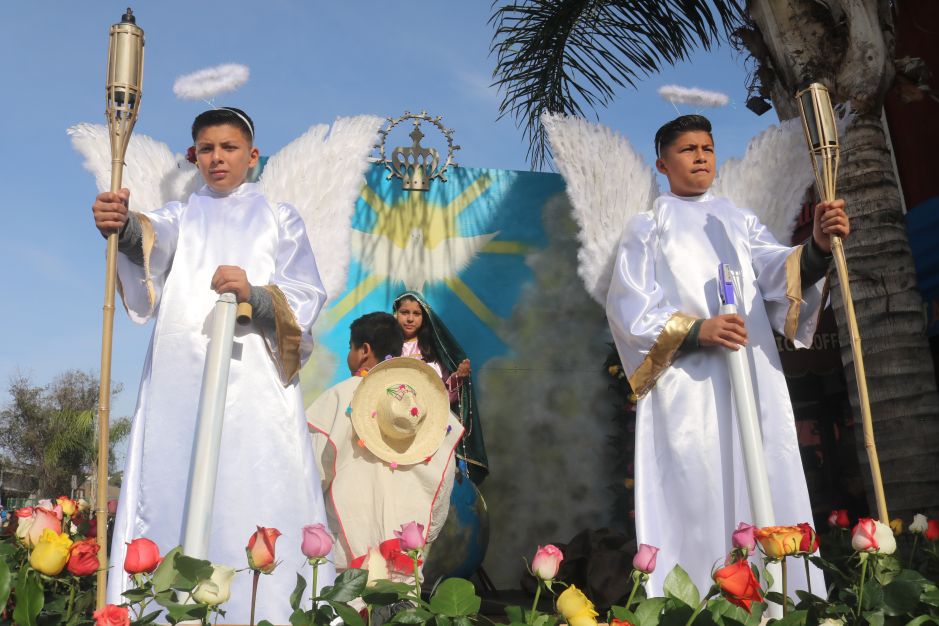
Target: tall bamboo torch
[(125, 77), (821, 135)]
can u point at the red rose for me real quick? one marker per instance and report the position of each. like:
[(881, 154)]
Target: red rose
[(738, 584), (83, 557), (191, 154), (809, 543), (142, 556), (621, 622), (932, 530), (112, 615), (839, 518)]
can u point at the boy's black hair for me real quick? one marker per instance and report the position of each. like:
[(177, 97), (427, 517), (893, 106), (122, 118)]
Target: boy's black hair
[(224, 115), (379, 330), (669, 132), (425, 334)]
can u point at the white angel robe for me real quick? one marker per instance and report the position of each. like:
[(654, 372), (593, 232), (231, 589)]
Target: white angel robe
[(691, 488), (266, 475)]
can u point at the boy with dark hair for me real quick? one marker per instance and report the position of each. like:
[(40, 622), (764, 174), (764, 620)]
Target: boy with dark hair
[(226, 238), (383, 441), (662, 306)]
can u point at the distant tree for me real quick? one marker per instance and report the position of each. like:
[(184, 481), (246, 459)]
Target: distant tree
[(52, 429)]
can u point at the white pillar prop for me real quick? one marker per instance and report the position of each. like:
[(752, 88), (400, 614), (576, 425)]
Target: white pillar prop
[(751, 438), (203, 470)]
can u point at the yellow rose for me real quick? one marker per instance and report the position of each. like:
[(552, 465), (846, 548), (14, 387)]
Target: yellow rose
[(576, 608), (896, 525), (51, 552), (779, 541)]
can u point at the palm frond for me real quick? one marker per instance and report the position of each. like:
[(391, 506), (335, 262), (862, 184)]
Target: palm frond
[(565, 56)]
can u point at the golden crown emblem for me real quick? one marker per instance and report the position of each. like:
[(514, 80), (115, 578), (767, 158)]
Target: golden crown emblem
[(417, 165)]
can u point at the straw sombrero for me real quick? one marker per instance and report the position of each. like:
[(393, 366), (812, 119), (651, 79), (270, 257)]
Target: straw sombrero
[(400, 411)]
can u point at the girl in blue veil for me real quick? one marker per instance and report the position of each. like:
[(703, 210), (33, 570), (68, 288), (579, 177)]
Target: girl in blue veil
[(429, 339)]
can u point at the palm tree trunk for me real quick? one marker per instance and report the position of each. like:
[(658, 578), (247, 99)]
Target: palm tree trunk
[(904, 401)]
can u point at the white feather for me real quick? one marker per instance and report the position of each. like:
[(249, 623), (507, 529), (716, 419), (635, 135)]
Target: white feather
[(209, 82), (322, 176), (693, 95), (152, 172), (607, 183), (773, 175)]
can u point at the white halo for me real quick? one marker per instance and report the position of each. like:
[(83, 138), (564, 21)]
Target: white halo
[(692, 95), (210, 82)]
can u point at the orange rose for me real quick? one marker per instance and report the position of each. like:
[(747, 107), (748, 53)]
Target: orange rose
[(69, 506), (83, 557), (779, 541), (260, 550), (738, 584)]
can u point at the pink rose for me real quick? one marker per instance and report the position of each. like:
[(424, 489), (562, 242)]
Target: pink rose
[(411, 536), (142, 556), (43, 519), (112, 507), (317, 541), (644, 561), (743, 537), (546, 562), (260, 549), (26, 511)]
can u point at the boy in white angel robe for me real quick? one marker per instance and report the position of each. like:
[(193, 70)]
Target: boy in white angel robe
[(266, 473), (691, 488)]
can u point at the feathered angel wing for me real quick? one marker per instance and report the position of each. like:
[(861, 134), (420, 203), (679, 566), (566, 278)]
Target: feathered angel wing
[(607, 183), (321, 174), (773, 175), (152, 172)]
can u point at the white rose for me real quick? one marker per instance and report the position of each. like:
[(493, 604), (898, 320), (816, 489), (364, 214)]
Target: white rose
[(83, 505), (217, 589), (883, 534), (830, 621), (919, 524), (22, 529)]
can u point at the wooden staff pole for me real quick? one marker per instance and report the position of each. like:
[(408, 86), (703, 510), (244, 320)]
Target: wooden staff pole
[(124, 80), (821, 135)]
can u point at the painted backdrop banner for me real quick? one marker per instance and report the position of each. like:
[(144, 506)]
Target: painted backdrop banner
[(494, 252)]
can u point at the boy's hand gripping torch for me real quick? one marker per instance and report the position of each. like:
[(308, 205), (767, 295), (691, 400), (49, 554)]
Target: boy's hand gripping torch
[(821, 136), (748, 423), (124, 81)]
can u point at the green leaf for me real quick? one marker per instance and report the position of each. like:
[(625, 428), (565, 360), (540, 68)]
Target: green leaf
[(777, 598), (886, 569), (678, 585), (182, 612), (792, 619), (515, 614), (165, 574), (873, 596), (455, 597), (922, 619), (621, 612), (385, 592), (297, 594), (415, 615), (348, 586), (136, 595), (264, 622), (301, 618), (149, 618), (901, 597), (442, 620), (465, 621), (6, 582), (193, 570), (649, 610), (29, 598), (874, 618), (930, 596), (348, 615)]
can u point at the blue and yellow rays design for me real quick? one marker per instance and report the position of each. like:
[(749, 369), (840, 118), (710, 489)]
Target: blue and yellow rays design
[(463, 243)]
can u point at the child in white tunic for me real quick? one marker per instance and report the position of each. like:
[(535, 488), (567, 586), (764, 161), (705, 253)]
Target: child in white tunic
[(227, 237), (662, 307)]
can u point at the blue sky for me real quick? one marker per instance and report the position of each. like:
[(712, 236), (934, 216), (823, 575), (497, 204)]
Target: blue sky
[(310, 62)]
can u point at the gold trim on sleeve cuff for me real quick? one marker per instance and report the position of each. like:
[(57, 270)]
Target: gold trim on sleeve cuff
[(793, 292), (287, 353), (662, 353)]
